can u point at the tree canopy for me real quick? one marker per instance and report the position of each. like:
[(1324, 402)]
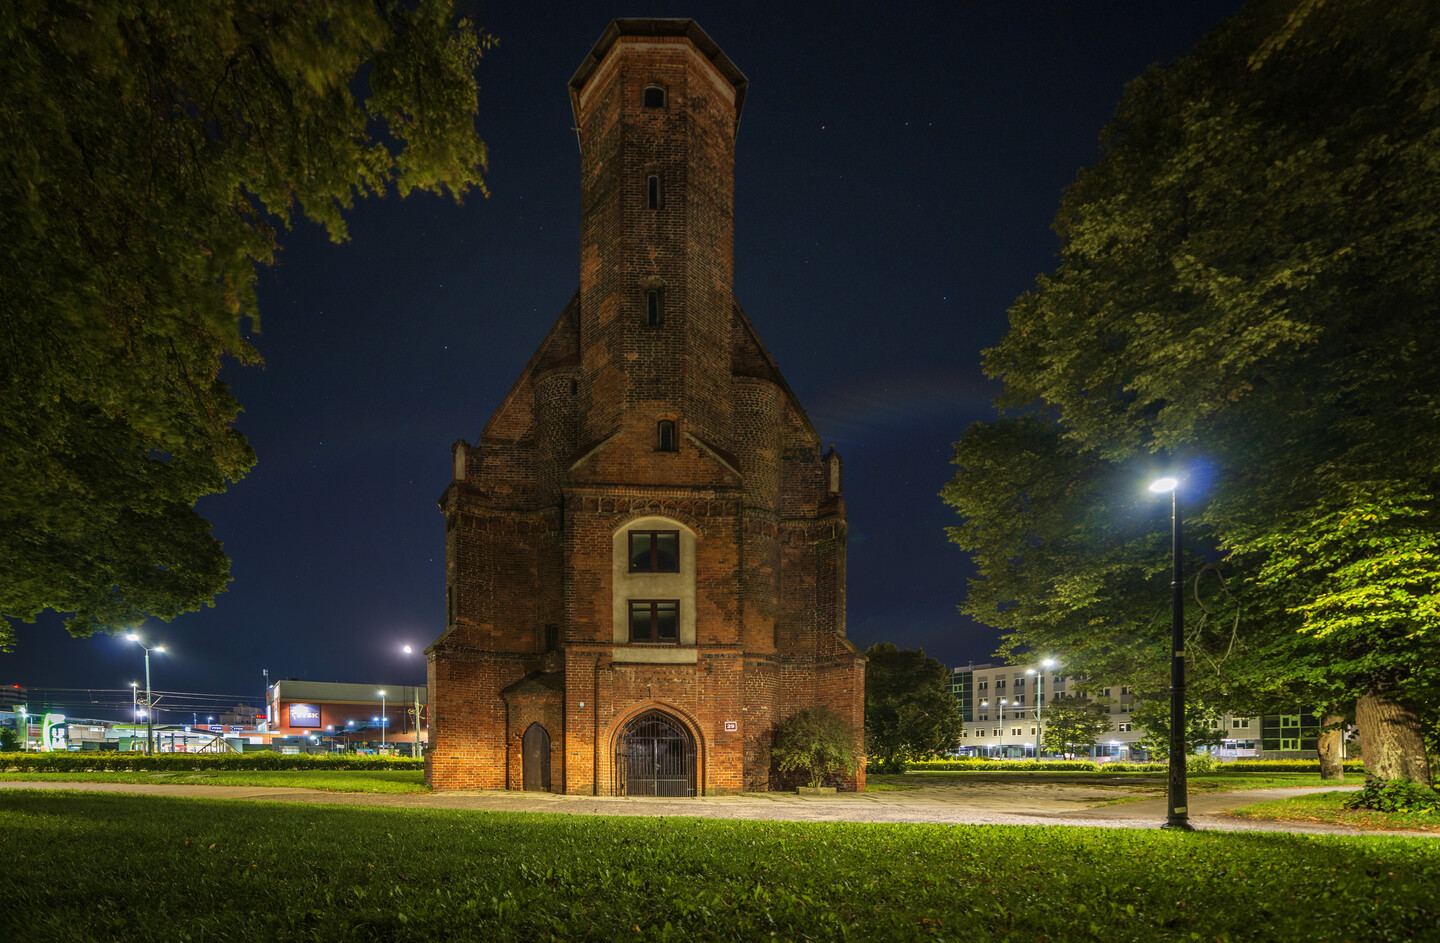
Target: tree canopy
[(909, 711), (151, 152), (1073, 722), (1246, 294)]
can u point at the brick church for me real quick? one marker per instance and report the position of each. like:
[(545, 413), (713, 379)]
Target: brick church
[(645, 551)]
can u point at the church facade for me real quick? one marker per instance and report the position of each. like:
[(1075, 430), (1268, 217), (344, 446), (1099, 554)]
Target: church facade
[(645, 551)]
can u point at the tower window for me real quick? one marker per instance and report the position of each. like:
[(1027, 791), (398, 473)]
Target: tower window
[(654, 620), (654, 96), (665, 436), (654, 551), (652, 192), (652, 308)]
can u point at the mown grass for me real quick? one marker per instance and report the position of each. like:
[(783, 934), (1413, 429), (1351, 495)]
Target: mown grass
[(1328, 807), (121, 868), (379, 781)]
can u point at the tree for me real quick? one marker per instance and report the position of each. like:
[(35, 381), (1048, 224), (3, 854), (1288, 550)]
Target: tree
[(151, 150), (1248, 289), (1202, 726), (818, 741), (1073, 723), (909, 710)]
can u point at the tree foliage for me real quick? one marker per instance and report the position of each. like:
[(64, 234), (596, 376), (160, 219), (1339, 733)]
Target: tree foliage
[(1073, 723), (1247, 291), (150, 152), (909, 711), (1203, 725), (818, 741)]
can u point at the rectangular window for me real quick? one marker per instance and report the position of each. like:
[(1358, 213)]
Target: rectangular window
[(654, 551), (1019, 699), (652, 192), (1124, 728), (1124, 690), (1290, 720), (1107, 692), (1239, 723), (652, 307), (1014, 731), (1019, 683), (998, 732), (1287, 744), (982, 686), (654, 620), (1000, 685)]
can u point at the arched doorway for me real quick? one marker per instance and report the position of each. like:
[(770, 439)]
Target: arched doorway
[(535, 758), (655, 756)]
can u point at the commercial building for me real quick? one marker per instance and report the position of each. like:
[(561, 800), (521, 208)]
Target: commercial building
[(342, 715), (998, 705)]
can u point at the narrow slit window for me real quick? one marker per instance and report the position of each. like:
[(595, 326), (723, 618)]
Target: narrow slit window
[(665, 436), (652, 308), (652, 192), (654, 96)]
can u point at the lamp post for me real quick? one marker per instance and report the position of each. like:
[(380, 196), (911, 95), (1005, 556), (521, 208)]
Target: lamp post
[(1001, 721), (382, 720), (149, 702), (1177, 814), (1039, 674)]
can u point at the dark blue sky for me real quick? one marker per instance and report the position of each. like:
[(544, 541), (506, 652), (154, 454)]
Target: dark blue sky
[(897, 170)]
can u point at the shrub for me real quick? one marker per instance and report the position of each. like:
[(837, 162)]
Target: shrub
[(1200, 763), (816, 740), (1396, 795), (109, 762)]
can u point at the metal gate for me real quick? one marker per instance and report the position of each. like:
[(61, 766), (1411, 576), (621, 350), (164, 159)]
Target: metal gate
[(655, 757)]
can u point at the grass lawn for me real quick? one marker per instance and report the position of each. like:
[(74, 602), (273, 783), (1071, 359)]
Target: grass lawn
[(391, 781), (1328, 807), (119, 868)]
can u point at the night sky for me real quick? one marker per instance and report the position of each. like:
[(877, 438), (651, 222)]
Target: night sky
[(897, 171)]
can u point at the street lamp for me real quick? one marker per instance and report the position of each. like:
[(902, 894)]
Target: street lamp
[(382, 720), (1001, 720), (1177, 814), (1039, 726), (149, 703)]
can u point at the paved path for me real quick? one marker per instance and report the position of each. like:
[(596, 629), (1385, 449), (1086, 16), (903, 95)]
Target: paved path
[(959, 805)]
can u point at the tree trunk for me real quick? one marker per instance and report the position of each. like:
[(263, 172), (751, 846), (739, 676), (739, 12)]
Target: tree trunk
[(1331, 735), (1390, 739)]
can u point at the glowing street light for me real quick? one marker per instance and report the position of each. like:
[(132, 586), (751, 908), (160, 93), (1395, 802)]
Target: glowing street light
[(1039, 725), (149, 702), (1177, 814)]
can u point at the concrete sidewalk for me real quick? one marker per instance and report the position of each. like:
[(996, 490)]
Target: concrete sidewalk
[(981, 805)]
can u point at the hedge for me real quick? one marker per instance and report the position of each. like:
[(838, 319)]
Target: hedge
[(112, 762), (1287, 766)]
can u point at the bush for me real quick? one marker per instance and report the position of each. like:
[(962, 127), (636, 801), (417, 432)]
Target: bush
[(1396, 795), (981, 763), (894, 765), (107, 762), (1200, 763), (816, 740)]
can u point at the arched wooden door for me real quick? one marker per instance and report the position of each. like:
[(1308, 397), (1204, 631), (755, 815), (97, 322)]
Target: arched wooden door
[(535, 758), (655, 757)]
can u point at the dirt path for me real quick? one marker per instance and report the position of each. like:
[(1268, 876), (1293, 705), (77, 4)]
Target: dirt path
[(961, 804)]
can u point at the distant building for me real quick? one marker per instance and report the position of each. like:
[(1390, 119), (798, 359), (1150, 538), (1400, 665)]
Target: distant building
[(998, 705), (645, 551), (347, 712)]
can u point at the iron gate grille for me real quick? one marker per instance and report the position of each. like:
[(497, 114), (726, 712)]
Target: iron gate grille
[(656, 758)]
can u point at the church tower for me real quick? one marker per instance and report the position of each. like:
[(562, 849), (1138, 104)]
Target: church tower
[(645, 551)]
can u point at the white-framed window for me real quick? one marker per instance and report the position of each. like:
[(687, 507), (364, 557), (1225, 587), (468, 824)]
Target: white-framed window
[(1125, 728), (1240, 723)]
